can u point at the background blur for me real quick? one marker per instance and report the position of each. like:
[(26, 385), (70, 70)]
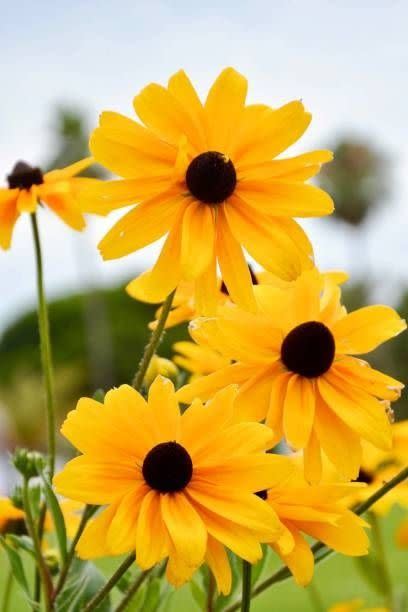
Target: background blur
[(62, 63)]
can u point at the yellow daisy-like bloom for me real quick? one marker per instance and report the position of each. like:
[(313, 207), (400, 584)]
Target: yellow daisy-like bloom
[(378, 467), (199, 360), (170, 491), (11, 518), (295, 369), (207, 176), (356, 605), (60, 190)]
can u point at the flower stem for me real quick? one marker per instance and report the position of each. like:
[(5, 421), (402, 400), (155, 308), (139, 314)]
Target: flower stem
[(133, 589), (284, 573), (106, 589), (86, 515), (153, 343), (41, 565), (45, 345), (246, 586)]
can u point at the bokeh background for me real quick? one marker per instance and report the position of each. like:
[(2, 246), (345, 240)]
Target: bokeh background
[(64, 62)]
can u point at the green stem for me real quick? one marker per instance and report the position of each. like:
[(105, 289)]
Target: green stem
[(45, 345), (153, 343), (284, 573), (42, 567), (7, 592), (381, 555), (86, 515), (41, 523), (211, 592), (133, 589), (113, 580), (246, 586), (315, 597)]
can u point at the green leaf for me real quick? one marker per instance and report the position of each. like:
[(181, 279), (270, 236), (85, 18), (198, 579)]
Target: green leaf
[(84, 582), (198, 593), (57, 517), (371, 571), (16, 565), (22, 541), (152, 598)]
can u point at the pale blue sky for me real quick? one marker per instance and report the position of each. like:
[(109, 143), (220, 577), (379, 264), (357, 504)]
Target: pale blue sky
[(348, 61)]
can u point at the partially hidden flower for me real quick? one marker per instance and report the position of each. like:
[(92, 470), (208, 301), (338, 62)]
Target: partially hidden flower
[(197, 359), (170, 491), (356, 605), (12, 519), (206, 175), (60, 190), (297, 366)]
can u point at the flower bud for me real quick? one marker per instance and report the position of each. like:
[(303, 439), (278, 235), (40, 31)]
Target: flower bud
[(29, 463)]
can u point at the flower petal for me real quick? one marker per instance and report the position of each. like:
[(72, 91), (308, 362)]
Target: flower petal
[(152, 540), (8, 215), (218, 562), (364, 329), (300, 560), (205, 387), (121, 534), (301, 167), (165, 410), (299, 409), (347, 536), (92, 543), (27, 200), (359, 373), (198, 240)]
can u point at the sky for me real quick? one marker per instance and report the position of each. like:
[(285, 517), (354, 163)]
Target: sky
[(347, 61)]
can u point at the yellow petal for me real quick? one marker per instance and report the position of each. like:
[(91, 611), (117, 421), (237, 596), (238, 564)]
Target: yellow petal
[(185, 527), (8, 215), (92, 543), (152, 540), (207, 295), (223, 108), (96, 482), (205, 387), (27, 200), (234, 268), (347, 536), (306, 297), (360, 411), (182, 89), (165, 410), (359, 373), (157, 283), (299, 409), (334, 436), (313, 459), (253, 399), (67, 208), (218, 562), (144, 224), (300, 560), (197, 240), (300, 167), (275, 131), (121, 535), (102, 197), (68, 172), (284, 198), (364, 329), (274, 416), (162, 112)]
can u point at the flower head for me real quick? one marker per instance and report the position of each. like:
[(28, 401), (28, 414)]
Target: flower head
[(11, 518), (60, 190), (171, 490), (297, 367), (206, 174)]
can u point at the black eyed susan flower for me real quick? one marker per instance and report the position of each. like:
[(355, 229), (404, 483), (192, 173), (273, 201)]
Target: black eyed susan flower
[(197, 359), (60, 190), (297, 366), (206, 174), (12, 519), (170, 490)]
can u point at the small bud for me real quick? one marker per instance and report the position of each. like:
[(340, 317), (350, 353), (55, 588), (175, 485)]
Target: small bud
[(29, 463), (51, 558), (16, 497), (160, 365)]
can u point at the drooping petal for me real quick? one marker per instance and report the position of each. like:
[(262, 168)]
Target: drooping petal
[(223, 108), (61, 174), (206, 293), (197, 240), (121, 535), (185, 528), (66, 207), (312, 457), (8, 215), (205, 387), (347, 536), (253, 399), (152, 540), (144, 224), (364, 329), (300, 560), (361, 412), (234, 268), (274, 416), (92, 543), (359, 373), (217, 559), (299, 409), (27, 200)]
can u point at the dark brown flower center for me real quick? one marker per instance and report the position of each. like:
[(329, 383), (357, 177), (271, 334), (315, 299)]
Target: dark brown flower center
[(211, 177), (308, 349), (167, 467), (262, 494), (24, 176), (364, 476), (15, 526)]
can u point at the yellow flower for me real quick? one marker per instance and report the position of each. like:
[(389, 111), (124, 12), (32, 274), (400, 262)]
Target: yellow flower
[(206, 175), (355, 605), (294, 368), (59, 189), (169, 490), (11, 518), (378, 466), (317, 511), (199, 360)]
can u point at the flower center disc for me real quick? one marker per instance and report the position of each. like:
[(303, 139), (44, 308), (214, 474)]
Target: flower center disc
[(308, 349), (24, 176), (211, 177), (167, 467)]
